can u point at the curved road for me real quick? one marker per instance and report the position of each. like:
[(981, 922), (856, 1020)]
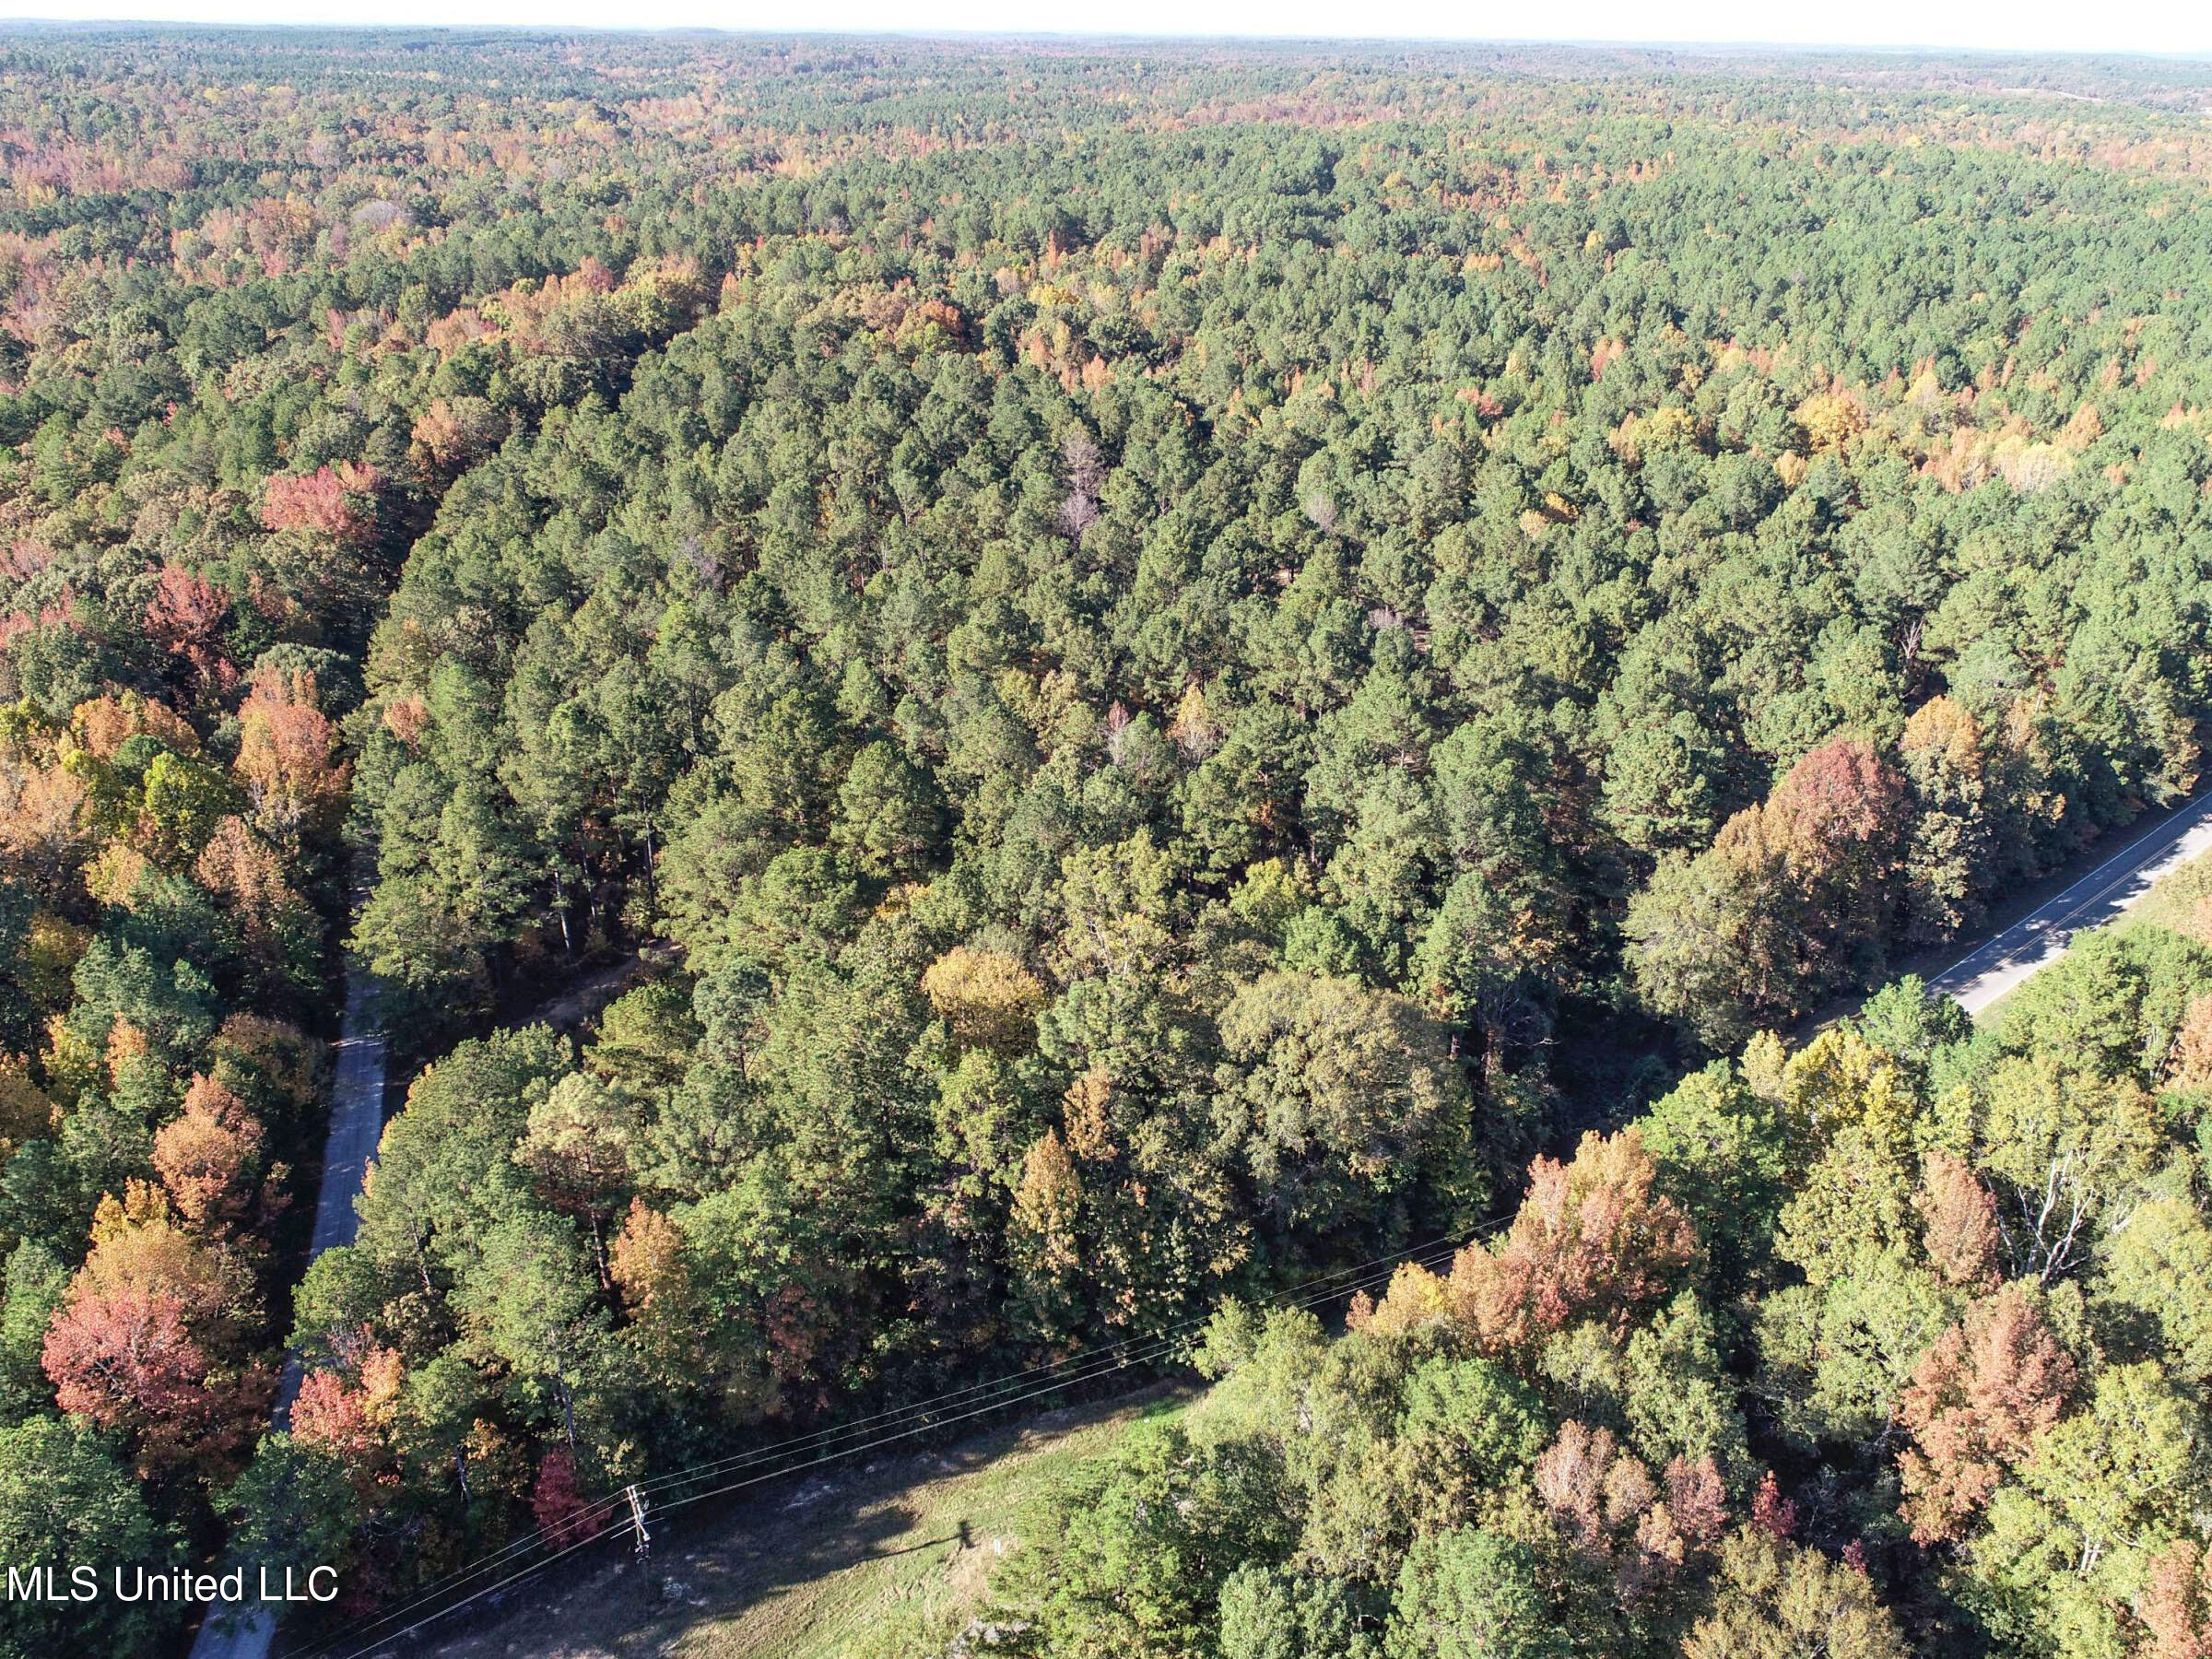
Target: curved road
[(2040, 937), (356, 1121)]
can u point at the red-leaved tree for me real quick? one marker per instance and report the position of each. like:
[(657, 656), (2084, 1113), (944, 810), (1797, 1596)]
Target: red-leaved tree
[(339, 504), (185, 617), (1978, 1398), (1593, 1239)]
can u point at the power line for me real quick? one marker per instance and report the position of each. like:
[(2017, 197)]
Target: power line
[(1087, 1370), (1092, 1361), (772, 1474), (623, 1523), (814, 1449), (1078, 1368)]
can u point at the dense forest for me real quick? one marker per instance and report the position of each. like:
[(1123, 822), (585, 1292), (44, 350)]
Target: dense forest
[(1175, 668), (1893, 1343)]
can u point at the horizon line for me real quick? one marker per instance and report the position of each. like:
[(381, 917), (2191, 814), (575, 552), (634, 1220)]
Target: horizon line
[(1588, 43)]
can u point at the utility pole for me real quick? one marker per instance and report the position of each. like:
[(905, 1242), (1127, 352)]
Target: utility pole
[(640, 1544)]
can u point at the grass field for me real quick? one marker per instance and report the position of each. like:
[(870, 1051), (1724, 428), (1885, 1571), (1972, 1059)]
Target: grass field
[(830, 1558)]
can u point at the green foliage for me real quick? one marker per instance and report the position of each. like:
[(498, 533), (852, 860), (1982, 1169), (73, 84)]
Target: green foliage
[(1780, 1600), (1336, 1091), (66, 1502), (35, 1284), (1471, 1420), (1468, 1593), (1723, 1156), (1275, 1614), (2005, 1372), (1152, 1534), (1163, 702), (297, 1510)]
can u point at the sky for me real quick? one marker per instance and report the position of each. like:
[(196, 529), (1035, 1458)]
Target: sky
[(2153, 26)]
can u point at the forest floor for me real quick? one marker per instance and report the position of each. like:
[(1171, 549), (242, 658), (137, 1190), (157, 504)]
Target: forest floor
[(819, 1560), (569, 1003)]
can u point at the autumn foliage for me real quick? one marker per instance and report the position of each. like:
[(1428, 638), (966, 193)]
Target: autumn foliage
[(338, 502), (1593, 1239), (555, 1503), (185, 618), (1142, 671), (1976, 1403), (209, 1158), (150, 1338), (287, 761)]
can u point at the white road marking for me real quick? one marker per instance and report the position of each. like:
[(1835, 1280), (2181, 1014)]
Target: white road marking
[(2040, 937)]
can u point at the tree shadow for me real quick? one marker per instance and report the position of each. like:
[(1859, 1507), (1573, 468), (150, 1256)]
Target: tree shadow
[(721, 1558)]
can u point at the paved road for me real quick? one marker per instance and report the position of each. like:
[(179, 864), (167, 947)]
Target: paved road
[(1975, 980), (2040, 937), (356, 1121)]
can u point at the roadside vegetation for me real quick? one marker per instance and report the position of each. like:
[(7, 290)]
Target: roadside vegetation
[(1182, 667)]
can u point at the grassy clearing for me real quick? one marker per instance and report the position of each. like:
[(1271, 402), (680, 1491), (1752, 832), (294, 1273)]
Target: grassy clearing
[(831, 1563), (2182, 900)]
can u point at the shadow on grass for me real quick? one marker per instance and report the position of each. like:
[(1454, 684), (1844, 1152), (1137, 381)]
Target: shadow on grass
[(733, 1575)]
